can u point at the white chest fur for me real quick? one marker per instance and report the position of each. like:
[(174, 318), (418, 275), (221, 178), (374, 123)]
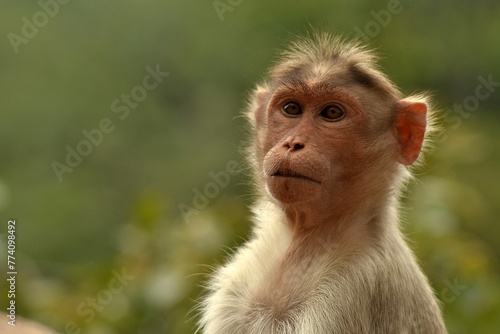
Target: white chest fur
[(263, 290)]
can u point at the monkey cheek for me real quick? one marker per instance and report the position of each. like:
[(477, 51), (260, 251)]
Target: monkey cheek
[(289, 190)]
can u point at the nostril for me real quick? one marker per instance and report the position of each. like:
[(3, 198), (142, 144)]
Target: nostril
[(297, 146), (293, 145)]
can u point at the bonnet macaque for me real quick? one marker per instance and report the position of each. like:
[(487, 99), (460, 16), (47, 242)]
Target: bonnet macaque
[(332, 139)]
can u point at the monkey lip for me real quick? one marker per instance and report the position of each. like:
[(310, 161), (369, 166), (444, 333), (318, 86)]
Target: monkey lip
[(289, 173)]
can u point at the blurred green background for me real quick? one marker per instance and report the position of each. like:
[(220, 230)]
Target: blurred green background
[(124, 206)]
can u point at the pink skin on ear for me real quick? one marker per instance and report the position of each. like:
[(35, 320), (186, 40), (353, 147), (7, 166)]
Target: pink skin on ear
[(411, 122), (261, 95)]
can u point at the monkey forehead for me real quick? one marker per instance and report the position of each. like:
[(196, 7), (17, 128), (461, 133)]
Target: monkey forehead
[(319, 92), (309, 87), (326, 57), (311, 91), (329, 74)]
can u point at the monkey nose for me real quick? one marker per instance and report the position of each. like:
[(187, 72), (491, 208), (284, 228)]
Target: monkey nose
[(293, 144)]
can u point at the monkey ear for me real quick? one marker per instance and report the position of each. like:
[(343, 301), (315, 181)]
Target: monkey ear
[(259, 105), (411, 122)]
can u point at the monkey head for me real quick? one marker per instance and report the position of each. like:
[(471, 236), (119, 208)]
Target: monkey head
[(331, 130)]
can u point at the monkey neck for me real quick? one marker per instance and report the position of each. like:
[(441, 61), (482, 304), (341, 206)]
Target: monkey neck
[(369, 217)]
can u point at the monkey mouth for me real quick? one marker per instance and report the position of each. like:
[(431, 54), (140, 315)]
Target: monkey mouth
[(289, 173)]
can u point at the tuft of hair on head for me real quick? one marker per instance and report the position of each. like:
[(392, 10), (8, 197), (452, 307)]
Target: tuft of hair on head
[(323, 48)]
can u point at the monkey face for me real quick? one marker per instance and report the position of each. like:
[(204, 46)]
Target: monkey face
[(313, 140)]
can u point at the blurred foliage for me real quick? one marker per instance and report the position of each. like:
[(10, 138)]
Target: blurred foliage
[(120, 208)]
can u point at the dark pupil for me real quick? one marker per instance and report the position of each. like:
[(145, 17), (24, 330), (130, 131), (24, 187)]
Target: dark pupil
[(292, 108), (332, 112)]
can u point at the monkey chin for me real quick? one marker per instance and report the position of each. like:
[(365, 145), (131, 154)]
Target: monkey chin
[(290, 190)]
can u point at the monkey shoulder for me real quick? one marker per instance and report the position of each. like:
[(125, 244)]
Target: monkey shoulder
[(402, 300)]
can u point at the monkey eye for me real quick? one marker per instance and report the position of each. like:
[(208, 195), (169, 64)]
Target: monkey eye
[(332, 113), (292, 109)]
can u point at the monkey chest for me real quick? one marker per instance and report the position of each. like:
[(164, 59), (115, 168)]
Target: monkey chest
[(272, 300)]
